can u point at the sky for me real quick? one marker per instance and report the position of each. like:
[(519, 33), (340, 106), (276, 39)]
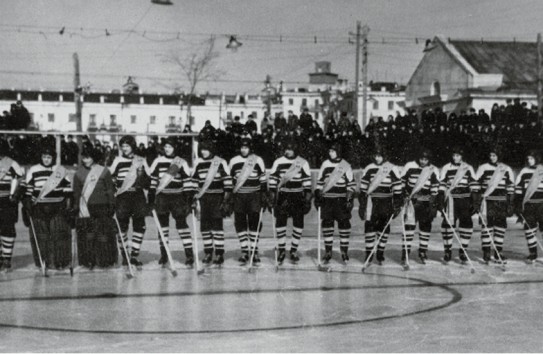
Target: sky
[(281, 38)]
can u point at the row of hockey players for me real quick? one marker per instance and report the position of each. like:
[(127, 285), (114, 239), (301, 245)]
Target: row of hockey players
[(99, 197)]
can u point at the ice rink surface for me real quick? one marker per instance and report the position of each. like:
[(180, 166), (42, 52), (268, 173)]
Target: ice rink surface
[(430, 308)]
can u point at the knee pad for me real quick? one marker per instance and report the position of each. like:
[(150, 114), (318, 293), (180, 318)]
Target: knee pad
[(327, 223), (466, 223), (425, 226), (164, 220), (138, 224), (181, 223), (298, 221), (253, 221), (216, 225), (240, 222)]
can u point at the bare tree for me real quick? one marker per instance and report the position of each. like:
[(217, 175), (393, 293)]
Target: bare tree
[(195, 67)]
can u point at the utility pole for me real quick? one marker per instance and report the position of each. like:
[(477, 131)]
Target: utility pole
[(268, 89), (539, 81), (357, 72), (78, 90), (365, 32)]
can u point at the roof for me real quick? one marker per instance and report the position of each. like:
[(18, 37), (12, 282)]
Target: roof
[(516, 61)]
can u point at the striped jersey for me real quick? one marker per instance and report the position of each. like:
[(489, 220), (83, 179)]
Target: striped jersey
[(467, 184), (410, 176), (11, 173), (222, 182), (301, 182), (391, 184), (120, 167), (523, 179), (181, 182), (257, 179), (36, 178), (344, 184), (505, 187)]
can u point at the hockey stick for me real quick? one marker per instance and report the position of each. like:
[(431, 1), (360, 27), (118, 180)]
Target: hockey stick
[(42, 263), (459, 241), (130, 273), (195, 229), (164, 244), (406, 266), (275, 241), (376, 244), (492, 242), (256, 241), (320, 267), (74, 252), (536, 239)]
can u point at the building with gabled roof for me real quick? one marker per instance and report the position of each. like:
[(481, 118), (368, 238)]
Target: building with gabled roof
[(457, 75)]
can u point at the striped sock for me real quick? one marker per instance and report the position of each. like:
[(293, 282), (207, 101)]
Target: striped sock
[(243, 240), (344, 235), (281, 236), (125, 239), (328, 235), (530, 238), (218, 241), (137, 240), (447, 234), (424, 238), (486, 234), (254, 242), (409, 235), (186, 238), (296, 236), (7, 246), (465, 236), (208, 240), (499, 236), (166, 233), (383, 242), (370, 241)]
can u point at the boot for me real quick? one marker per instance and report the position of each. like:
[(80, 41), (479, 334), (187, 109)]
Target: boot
[(403, 261), (462, 255), (163, 257), (380, 256), (281, 256), (533, 254), (219, 259), (136, 263), (368, 253), (327, 255), (244, 257), (294, 258), (486, 255), (499, 255), (6, 265), (423, 256), (344, 256), (208, 258), (447, 256), (190, 257), (256, 258)]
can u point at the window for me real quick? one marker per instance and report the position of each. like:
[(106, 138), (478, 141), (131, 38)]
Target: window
[(153, 120), (92, 118), (254, 115), (376, 105), (435, 90), (228, 115), (71, 117), (112, 119), (133, 119), (291, 101), (304, 102), (172, 120), (241, 115), (51, 117), (316, 103), (390, 105)]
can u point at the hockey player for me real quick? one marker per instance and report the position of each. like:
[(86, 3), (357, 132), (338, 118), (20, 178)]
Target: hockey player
[(171, 193), (250, 186), (421, 183), (290, 196), (380, 199), (212, 177), (94, 203), (459, 198), (529, 200), (130, 176), (48, 206), (497, 185), (10, 176), (334, 195)]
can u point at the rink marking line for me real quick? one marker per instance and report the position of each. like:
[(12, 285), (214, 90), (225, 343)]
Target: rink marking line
[(456, 297)]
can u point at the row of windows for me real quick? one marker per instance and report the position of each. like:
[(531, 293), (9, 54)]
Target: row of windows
[(230, 115), (390, 105), (304, 102), (112, 119)]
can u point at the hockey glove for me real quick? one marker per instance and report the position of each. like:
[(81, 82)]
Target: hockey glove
[(263, 200), (433, 206), (397, 204), (151, 197), (440, 201), (307, 202), (476, 201), (349, 202), (319, 198), (363, 201), (271, 200), (226, 205), (28, 206)]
